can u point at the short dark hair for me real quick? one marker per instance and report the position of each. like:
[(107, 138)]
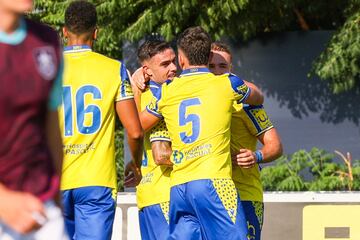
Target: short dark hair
[(195, 43), (150, 48), (80, 17), (221, 47)]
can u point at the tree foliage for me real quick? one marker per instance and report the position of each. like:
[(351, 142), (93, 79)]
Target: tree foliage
[(131, 20), (340, 62), (315, 170)]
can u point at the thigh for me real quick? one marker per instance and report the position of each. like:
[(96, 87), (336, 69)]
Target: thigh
[(188, 228), (218, 209), (182, 221), (254, 217), (94, 213), (153, 221)]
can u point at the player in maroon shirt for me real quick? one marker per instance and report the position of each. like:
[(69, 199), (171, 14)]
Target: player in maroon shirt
[(30, 142)]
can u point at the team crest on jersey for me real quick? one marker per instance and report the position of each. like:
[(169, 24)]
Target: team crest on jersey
[(45, 60)]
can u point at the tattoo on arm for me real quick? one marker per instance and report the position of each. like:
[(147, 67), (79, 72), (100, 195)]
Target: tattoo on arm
[(161, 151)]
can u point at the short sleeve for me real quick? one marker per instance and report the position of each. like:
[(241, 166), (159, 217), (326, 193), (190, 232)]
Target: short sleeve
[(159, 132), (55, 96), (257, 120), (240, 89), (154, 107), (125, 90)]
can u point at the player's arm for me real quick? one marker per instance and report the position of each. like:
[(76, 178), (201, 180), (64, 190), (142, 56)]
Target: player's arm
[(271, 150), (52, 128), (148, 120), (258, 124), (128, 115), (152, 114), (161, 151), (161, 144), (255, 97), (136, 81), (245, 93), (54, 139)]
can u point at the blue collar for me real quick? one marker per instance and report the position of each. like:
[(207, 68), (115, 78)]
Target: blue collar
[(191, 71), (77, 48), (17, 36), (153, 83)]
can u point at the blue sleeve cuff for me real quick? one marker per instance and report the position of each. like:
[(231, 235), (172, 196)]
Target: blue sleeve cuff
[(153, 112)]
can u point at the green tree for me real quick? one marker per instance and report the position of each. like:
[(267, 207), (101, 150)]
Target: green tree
[(130, 20), (340, 62), (316, 170)]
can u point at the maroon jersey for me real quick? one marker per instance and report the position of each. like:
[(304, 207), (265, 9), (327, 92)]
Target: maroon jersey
[(27, 73)]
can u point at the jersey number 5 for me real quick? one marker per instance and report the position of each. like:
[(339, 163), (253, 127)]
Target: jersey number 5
[(81, 110), (192, 118)]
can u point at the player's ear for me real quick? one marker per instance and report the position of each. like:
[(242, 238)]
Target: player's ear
[(147, 71), (181, 61), (95, 34), (65, 32)]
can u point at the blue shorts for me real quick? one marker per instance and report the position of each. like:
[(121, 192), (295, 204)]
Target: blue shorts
[(206, 209), (89, 213), (254, 216), (154, 222)]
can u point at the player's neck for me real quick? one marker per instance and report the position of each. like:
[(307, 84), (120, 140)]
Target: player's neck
[(77, 42), (193, 66), (9, 21)]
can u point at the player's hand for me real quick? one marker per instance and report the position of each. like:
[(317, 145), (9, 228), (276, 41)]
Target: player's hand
[(132, 175), (20, 211), (139, 79), (245, 158)]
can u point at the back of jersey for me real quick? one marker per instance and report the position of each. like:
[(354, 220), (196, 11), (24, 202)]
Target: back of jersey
[(92, 85), (197, 109)]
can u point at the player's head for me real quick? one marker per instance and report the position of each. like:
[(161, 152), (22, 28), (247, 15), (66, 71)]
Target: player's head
[(194, 47), (220, 58), (158, 60), (80, 21), (16, 6)]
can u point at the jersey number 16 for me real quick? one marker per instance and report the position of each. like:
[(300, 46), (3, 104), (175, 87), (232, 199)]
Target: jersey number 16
[(81, 110)]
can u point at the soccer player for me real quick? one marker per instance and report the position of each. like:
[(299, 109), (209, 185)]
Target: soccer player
[(158, 63), (30, 146), (197, 109), (249, 123), (94, 88)]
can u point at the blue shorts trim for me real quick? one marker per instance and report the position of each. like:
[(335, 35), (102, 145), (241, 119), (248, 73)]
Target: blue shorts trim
[(89, 213), (206, 209), (153, 223)]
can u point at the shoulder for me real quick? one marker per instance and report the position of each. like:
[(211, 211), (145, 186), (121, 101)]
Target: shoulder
[(106, 60), (233, 78), (110, 64)]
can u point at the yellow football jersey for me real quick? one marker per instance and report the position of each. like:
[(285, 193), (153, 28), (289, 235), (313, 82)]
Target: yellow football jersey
[(92, 84), (154, 187), (197, 108), (247, 123)]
